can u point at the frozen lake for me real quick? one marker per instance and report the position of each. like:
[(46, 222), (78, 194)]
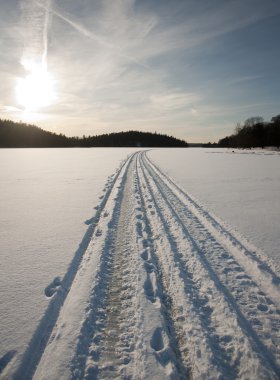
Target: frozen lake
[(242, 188), (47, 195)]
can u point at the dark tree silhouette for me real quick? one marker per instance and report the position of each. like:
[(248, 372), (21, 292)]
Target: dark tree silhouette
[(251, 121), (275, 119), (21, 135), (255, 133)]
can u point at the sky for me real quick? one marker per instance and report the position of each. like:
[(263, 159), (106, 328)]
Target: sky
[(192, 69)]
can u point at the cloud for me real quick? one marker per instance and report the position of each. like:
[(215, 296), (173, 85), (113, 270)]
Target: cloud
[(116, 92), (9, 109), (243, 79), (196, 27), (118, 47), (173, 101), (35, 22)]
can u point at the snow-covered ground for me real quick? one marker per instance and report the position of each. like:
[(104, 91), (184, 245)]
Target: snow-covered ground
[(158, 288), (46, 195), (240, 186)]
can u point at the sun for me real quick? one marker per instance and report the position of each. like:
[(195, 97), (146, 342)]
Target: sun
[(36, 90)]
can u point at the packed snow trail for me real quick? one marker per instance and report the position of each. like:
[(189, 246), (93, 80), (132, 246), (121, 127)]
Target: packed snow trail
[(163, 290)]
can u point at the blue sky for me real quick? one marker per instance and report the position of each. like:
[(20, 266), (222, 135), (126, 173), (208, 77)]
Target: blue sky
[(189, 68)]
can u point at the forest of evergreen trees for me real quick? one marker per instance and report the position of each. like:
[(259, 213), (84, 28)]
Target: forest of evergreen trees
[(255, 133), (133, 139), (21, 135)]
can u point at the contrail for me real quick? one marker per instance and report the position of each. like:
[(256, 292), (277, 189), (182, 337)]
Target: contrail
[(45, 34), (80, 28), (87, 33), (35, 20)]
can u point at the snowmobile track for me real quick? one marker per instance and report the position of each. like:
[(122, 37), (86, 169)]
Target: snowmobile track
[(163, 289)]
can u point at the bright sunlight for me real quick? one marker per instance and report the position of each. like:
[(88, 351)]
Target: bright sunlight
[(36, 89)]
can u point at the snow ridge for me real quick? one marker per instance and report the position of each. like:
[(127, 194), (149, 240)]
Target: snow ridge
[(162, 290)]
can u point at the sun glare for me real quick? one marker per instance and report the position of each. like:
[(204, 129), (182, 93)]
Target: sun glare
[(36, 89)]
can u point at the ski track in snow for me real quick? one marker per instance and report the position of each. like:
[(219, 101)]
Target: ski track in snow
[(160, 289)]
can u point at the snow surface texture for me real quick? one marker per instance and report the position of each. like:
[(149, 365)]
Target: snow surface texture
[(163, 290), (240, 186), (46, 196)]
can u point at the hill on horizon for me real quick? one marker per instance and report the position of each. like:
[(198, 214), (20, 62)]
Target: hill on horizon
[(21, 135)]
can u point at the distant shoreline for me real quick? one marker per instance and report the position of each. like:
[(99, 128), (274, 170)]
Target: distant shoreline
[(20, 135)]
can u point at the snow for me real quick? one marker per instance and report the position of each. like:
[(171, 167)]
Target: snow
[(46, 195), (154, 285), (241, 187)]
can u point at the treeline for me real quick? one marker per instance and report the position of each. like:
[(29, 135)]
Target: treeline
[(253, 134), (22, 135), (133, 139)]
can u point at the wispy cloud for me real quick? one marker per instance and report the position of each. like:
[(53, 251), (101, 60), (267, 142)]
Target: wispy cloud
[(9, 109), (173, 101), (102, 41), (35, 23), (243, 79)]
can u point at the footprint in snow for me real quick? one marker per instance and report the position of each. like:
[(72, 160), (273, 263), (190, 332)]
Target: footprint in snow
[(150, 286), (157, 340), (144, 255), (149, 267), (159, 343), (262, 307), (90, 221), (139, 229), (53, 287)]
